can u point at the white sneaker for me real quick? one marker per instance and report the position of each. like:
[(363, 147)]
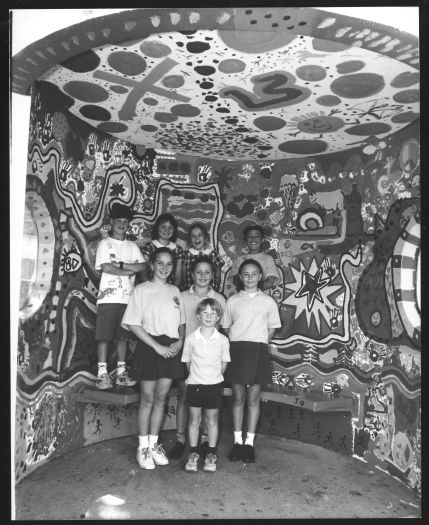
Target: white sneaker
[(210, 463), (104, 382), (145, 459), (159, 456), (123, 379), (192, 464)]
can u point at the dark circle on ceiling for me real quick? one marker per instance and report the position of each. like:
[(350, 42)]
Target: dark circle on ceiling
[(95, 112), (320, 44), (164, 117), (222, 110), (119, 89), (350, 66), (197, 47), (210, 98), (206, 85), (83, 62), (112, 127), (358, 85), (127, 63), (231, 65), (328, 100), (405, 79), (148, 127), (303, 147), (269, 123), (86, 91), (205, 71), (150, 101), (402, 118), (231, 120), (54, 96), (311, 72), (250, 140), (407, 96), (265, 148), (173, 81), (370, 128), (185, 110), (154, 49), (255, 41), (320, 124)]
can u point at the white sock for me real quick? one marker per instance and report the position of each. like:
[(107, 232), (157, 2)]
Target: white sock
[(238, 437), (153, 440), (102, 369), (143, 441), (249, 439), (120, 368)]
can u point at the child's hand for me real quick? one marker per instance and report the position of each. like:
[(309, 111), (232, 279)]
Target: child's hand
[(163, 351), (176, 347)]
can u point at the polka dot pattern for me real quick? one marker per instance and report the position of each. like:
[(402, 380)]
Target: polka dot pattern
[(127, 63), (85, 91), (359, 85)]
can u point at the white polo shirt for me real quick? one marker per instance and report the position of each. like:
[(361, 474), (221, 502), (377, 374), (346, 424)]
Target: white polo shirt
[(205, 357), (191, 300), (249, 318)]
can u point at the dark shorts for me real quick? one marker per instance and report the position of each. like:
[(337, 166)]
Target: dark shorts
[(108, 323), (204, 396), (147, 365), (250, 363)]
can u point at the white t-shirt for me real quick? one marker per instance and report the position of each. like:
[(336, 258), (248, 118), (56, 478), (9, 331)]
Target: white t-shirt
[(191, 300), (205, 357), (116, 288), (157, 308)]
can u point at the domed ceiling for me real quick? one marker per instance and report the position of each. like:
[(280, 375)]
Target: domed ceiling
[(233, 84)]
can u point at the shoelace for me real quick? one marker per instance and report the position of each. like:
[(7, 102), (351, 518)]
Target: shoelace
[(193, 457), (159, 449)]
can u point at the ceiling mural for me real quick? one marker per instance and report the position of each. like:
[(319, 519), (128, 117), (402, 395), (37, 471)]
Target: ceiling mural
[(232, 84)]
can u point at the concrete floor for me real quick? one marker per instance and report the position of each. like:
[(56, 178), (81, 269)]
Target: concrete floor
[(289, 480)]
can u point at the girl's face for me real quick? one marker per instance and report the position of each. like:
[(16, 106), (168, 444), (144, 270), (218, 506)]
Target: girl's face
[(202, 275), (250, 276), (162, 267), (208, 317), (165, 231), (198, 239), (254, 241)]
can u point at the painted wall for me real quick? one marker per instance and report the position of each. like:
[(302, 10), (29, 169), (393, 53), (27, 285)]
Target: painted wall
[(344, 230)]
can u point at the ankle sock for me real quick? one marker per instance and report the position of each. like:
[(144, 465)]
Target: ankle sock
[(249, 439), (143, 441), (193, 449), (120, 368), (153, 440), (181, 437), (238, 437), (102, 369)]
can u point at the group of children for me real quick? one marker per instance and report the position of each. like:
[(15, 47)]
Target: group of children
[(179, 334)]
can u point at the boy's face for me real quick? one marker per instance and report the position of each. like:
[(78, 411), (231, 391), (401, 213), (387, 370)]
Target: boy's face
[(254, 241), (208, 317), (119, 227), (202, 275), (250, 276), (165, 231)]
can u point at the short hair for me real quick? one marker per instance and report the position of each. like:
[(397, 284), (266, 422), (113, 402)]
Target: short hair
[(257, 227), (154, 255), (250, 261), (201, 259), (214, 305), (199, 225), (164, 217)]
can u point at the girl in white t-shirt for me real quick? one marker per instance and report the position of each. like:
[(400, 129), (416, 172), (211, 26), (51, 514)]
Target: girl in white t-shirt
[(155, 314), (250, 320)]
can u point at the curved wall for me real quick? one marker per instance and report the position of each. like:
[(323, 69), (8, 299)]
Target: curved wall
[(344, 230)]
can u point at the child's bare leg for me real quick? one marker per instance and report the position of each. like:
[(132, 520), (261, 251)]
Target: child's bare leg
[(147, 395), (239, 395), (253, 407), (121, 349), (102, 348), (181, 411), (194, 425), (162, 388), (212, 423)]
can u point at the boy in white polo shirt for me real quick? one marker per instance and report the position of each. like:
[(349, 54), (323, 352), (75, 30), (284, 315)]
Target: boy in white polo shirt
[(206, 354)]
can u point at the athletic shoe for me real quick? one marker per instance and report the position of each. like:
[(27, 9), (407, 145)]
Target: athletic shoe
[(210, 463), (159, 456), (104, 382), (192, 464), (145, 459), (177, 451), (248, 454), (123, 379), (236, 452), (203, 449)]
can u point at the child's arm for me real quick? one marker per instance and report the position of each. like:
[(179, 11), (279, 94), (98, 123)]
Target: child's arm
[(269, 282), (223, 367), (141, 333), (134, 267), (177, 346), (113, 268), (271, 332)]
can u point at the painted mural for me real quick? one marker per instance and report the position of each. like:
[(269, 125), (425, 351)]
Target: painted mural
[(343, 228)]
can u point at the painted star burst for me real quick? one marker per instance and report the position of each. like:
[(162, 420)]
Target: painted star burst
[(311, 291)]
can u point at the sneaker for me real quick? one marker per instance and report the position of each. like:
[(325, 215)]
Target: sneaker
[(236, 452), (159, 456), (210, 463), (177, 451), (145, 459), (123, 379), (104, 382), (192, 464), (248, 454), (203, 449)]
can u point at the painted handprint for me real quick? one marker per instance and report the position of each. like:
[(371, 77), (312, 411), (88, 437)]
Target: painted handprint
[(92, 144), (107, 150), (65, 169), (204, 173), (329, 268)]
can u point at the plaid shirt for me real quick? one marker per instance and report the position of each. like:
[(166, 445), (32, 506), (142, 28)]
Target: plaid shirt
[(190, 256), (151, 246)]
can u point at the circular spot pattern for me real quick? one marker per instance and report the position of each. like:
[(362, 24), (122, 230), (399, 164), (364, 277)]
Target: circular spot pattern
[(95, 112), (408, 96), (359, 85), (231, 65), (402, 118), (82, 63), (303, 147), (311, 72), (320, 124), (320, 44), (150, 101), (112, 127), (371, 128), (127, 63), (154, 49), (86, 91), (164, 117), (405, 79), (350, 66), (205, 71), (185, 110), (328, 100), (197, 47), (173, 81), (149, 128), (119, 89), (269, 123)]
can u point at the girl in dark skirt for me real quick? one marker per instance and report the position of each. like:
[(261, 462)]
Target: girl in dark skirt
[(250, 320), (155, 314)]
